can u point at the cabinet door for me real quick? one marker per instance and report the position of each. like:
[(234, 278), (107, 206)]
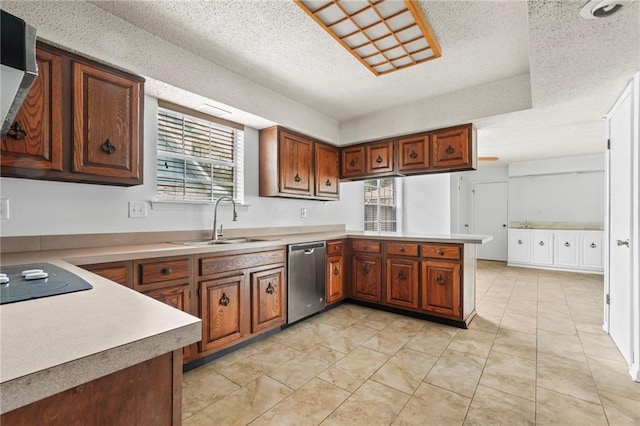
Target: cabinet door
[(366, 281), (267, 299), (413, 154), (380, 157), (221, 310), (36, 139), (592, 254), (441, 288), (106, 123), (335, 279), (353, 161), (119, 272), (452, 148), (542, 248), (402, 283), (327, 175), (566, 249), (519, 246), (296, 170)]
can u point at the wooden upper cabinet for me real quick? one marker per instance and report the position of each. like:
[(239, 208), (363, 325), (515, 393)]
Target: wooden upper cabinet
[(413, 154), (353, 161), (296, 168), (106, 123), (380, 157), (35, 139), (327, 176), (454, 148)]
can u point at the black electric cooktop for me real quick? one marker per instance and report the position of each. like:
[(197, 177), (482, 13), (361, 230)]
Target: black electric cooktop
[(58, 281)]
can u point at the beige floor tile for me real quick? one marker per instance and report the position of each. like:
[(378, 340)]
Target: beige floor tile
[(309, 405), (554, 408), (486, 323), (354, 369), (431, 406), (519, 322), (566, 376), (372, 404), (510, 374), (325, 353), (431, 340), (515, 343), (322, 330), (388, 342), (600, 344), (407, 325), (613, 377), (557, 323), (299, 370), (457, 372), (405, 370), (472, 342), (492, 407), (228, 359), (560, 344), (300, 339), (620, 410), (201, 390), (248, 369), (243, 405), (349, 338), (378, 320)]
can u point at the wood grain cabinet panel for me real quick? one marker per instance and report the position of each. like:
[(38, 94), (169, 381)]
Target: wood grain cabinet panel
[(221, 309), (163, 270), (452, 148), (335, 248), (35, 141), (402, 249), (402, 282), (267, 299), (380, 157), (335, 279), (119, 272), (106, 123), (353, 161), (441, 251), (413, 154), (296, 168), (367, 246), (366, 281), (441, 288), (327, 176)]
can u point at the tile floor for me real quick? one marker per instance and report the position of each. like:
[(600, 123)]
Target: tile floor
[(535, 354)]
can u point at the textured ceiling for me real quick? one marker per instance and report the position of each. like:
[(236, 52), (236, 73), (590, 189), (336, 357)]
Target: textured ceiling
[(577, 67)]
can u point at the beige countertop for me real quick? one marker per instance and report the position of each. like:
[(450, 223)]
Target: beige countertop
[(55, 343), (557, 226)]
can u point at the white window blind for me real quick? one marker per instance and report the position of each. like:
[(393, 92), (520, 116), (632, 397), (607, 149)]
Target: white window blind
[(380, 205), (198, 160)]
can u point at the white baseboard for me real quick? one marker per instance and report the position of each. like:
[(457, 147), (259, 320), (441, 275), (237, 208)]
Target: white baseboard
[(556, 268)]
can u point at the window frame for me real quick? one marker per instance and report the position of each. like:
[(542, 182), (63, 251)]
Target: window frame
[(397, 201)]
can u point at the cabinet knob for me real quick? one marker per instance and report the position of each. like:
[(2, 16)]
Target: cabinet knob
[(328, 182), (297, 178), (401, 249), (440, 280), (224, 300), (541, 243), (167, 271), (593, 245), (449, 150), (402, 276), (439, 252), (413, 154), (365, 270), (108, 147), (270, 289), (16, 131), (379, 159), (566, 244), (352, 163), (336, 271), (519, 241)]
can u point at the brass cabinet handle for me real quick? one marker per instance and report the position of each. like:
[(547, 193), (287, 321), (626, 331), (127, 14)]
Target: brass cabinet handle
[(297, 178), (108, 147), (336, 271), (167, 271), (365, 270), (352, 163), (449, 150), (440, 280), (401, 249), (440, 252), (541, 243), (593, 245), (270, 289), (379, 159), (413, 154), (16, 131), (566, 244), (328, 182), (224, 300), (402, 276)]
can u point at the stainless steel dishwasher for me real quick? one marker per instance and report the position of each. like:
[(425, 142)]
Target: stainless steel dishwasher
[(306, 280)]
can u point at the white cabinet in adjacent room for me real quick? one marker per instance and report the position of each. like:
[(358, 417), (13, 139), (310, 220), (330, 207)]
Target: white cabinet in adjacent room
[(592, 256), (566, 249), (542, 250), (519, 246)]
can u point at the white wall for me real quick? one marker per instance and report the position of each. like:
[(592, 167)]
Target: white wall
[(426, 208), (49, 208)]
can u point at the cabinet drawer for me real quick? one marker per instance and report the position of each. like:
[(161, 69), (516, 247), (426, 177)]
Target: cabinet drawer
[(168, 270), (402, 249), (234, 262), (334, 248), (441, 251), (366, 246)]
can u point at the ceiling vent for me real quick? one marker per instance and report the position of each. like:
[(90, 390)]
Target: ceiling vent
[(601, 8)]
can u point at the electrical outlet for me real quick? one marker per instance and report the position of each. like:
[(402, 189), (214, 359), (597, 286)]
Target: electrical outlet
[(303, 213), (137, 210), (4, 209)]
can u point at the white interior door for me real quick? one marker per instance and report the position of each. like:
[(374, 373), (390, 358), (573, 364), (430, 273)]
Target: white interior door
[(490, 218), (620, 289)]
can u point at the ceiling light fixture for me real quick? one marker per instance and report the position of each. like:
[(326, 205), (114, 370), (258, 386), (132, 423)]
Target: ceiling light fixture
[(384, 35), (600, 8)]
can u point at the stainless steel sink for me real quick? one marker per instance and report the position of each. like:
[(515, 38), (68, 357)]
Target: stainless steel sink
[(204, 243)]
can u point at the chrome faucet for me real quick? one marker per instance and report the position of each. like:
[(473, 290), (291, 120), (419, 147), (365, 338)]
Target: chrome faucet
[(215, 235)]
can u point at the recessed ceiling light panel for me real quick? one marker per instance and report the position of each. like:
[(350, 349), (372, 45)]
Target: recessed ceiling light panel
[(384, 35)]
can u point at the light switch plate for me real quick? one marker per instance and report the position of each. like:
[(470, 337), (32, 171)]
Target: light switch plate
[(303, 213), (137, 209), (4, 209)]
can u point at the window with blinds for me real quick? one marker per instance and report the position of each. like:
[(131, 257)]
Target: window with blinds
[(380, 205), (198, 160)]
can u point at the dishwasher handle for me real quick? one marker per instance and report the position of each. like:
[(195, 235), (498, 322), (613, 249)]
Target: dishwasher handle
[(308, 248), (309, 251)]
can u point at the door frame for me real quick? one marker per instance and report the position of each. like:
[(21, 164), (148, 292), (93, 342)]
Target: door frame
[(633, 90), (472, 207)]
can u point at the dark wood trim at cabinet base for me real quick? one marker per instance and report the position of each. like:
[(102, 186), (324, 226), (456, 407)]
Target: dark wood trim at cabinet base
[(433, 318)]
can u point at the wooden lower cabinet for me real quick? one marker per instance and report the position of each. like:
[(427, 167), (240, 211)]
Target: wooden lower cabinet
[(268, 299), (441, 288), (222, 308), (402, 282), (367, 278), (335, 279), (119, 272)]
